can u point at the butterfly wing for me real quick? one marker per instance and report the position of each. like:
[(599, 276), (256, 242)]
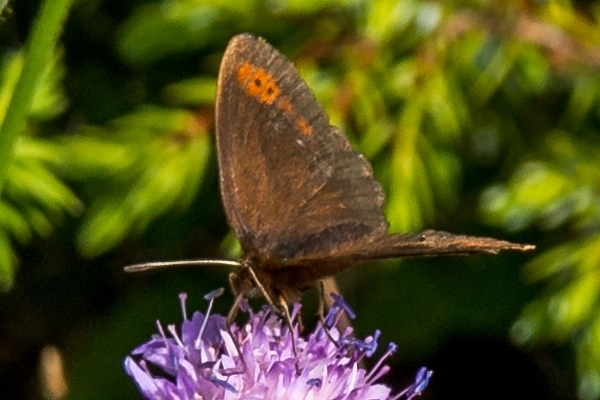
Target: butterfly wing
[(428, 243), (435, 243), (293, 187), (295, 191)]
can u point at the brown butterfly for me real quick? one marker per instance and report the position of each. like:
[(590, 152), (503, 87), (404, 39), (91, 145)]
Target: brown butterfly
[(302, 202)]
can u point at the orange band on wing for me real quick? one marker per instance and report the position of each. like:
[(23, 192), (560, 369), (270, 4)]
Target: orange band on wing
[(304, 127), (285, 105), (258, 83), (261, 85)]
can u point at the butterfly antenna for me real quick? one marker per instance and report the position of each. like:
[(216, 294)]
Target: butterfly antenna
[(187, 263)]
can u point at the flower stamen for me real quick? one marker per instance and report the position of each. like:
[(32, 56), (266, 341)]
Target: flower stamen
[(182, 301), (392, 348), (211, 299), (421, 382)]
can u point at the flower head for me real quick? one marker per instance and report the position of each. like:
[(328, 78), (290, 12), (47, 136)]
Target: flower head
[(203, 361)]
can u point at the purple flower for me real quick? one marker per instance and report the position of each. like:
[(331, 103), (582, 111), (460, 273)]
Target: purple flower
[(203, 361)]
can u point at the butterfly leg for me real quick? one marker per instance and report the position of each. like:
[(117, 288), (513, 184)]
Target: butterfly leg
[(328, 286), (281, 309), (288, 320), (261, 288), (230, 318), (321, 311)]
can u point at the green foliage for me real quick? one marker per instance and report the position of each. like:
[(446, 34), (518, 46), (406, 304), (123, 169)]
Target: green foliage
[(153, 161), (557, 190), (34, 197)]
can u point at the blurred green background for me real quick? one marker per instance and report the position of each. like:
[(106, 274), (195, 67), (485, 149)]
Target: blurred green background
[(479, 117)]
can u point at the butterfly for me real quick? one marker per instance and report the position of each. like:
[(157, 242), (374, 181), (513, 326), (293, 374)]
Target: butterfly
[(302, 202)]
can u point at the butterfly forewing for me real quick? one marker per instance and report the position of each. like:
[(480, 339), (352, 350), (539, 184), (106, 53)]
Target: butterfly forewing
[(292, 185)]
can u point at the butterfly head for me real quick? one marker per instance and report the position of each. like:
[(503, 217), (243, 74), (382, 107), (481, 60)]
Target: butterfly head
[(252, 279), (242, 284)]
